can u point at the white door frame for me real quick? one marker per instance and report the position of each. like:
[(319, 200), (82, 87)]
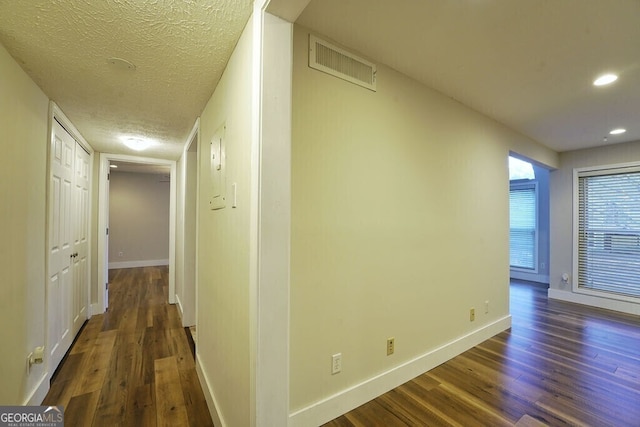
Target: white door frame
[(189, 314), (103, 215)]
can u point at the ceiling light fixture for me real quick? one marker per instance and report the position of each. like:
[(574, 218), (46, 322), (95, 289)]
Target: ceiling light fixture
[(112, 166), (618, 131), (136, 143), (605, 79)]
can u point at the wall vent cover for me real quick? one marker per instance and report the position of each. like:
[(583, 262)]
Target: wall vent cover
[(338, 62)]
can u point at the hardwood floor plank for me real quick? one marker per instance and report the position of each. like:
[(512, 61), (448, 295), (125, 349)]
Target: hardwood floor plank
[(141, 410), (169, 397), (95, 366), (195, 402), (373, 414), (114, 393), (410, 411), (413, 390), (81, 409), (59, 394), (87, 338)]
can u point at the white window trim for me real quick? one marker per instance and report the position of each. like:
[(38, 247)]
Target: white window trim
[(594, 171), (534, 270)]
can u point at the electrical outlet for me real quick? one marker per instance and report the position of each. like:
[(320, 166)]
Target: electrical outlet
[(486, 307), (472, 314), (391, 345), (336, 363)]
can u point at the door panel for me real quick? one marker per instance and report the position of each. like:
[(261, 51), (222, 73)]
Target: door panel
[(60, 244), (81, 239)]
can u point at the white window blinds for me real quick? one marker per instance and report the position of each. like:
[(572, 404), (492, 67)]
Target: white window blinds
[(522, 226), (609, 231)]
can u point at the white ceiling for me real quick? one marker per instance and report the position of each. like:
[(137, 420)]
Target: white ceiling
[(528, 63), (179, 48)]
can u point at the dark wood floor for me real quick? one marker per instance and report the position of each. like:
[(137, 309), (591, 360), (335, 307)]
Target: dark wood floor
[(131, 366), (560, 364)]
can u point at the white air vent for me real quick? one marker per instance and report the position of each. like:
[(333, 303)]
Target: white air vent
[(338, 62)]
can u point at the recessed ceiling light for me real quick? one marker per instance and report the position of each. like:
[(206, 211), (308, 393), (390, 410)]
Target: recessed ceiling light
[(617, 131), (112, 166), (605, 79)]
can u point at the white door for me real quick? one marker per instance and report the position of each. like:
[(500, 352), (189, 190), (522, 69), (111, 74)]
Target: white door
[(80, 299), (60, 244)]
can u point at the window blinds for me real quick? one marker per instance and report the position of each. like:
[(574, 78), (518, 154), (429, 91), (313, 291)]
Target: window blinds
[(522, 226), (609, 232)]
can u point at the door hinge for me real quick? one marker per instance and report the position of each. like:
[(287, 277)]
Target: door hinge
[(107, 231)]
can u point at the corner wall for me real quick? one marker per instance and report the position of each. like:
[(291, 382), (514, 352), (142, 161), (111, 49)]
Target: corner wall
[(562, 220), (24, 123), (223, 304), (399, 226)]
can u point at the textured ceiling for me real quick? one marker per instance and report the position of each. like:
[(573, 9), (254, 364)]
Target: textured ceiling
[(528, 64), (179, 48)]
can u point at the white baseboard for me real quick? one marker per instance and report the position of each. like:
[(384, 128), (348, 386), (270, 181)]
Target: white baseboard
[(180, 313), (134, 264), (94, 309), (595, 301), (39, 392), (212, 403), (348, 399)]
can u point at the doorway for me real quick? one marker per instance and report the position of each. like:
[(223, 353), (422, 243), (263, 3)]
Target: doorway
[(103, 220), (529, 221), (186, 262)]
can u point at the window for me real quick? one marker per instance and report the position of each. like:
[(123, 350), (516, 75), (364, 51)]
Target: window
[(608, 230), (523, 250), (519, 169)]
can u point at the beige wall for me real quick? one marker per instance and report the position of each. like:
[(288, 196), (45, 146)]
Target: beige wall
[(562, 203), (23, 121), (224, 349), (399, 224), (138, 218)]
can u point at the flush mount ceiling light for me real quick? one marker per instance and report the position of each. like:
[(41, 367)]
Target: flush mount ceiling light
[(112, 166), (121, 64), (605, 79), (618, 131), (136, 143)]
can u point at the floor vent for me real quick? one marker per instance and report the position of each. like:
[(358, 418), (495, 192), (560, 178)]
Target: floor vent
[(338, 62)]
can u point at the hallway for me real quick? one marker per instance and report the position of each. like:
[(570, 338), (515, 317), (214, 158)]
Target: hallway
[(132, 365)]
